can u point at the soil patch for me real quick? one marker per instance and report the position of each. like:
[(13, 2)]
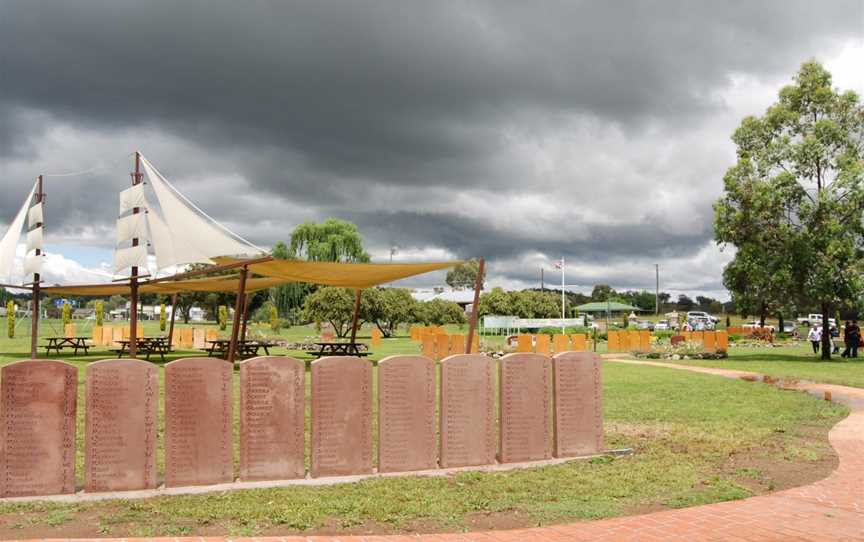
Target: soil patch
[(766, 469)]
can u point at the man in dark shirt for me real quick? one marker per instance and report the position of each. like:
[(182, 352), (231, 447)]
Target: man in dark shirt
[(852, 339), (855, 341)]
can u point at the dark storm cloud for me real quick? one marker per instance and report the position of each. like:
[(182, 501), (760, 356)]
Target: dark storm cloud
[(471, 238), (318, 103)]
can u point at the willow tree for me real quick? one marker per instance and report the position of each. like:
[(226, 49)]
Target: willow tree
[(794, 200), (330, 241)]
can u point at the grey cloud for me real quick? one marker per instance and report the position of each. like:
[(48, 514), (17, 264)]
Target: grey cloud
[(311, 105)]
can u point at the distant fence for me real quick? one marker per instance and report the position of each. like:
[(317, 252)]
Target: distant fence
[(547, 407)]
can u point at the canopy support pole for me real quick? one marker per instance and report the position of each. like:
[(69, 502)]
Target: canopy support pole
[(246, 299), (171, 325), (133, 279), (356, 317), (34, 306), (478, 285), (238, 314)]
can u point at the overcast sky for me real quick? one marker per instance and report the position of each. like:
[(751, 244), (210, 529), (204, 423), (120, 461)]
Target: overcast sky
[(519, 131)]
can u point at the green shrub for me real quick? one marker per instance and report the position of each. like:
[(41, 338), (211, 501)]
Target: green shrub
[(567, 330), (67, 314), (100, 312), (163, 318), (275, 322), (10, 318), (223, 317)]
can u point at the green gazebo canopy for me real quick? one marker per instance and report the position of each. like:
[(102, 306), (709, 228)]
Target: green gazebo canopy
[(607, 306)]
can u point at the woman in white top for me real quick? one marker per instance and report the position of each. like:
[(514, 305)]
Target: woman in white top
[(815, 337)]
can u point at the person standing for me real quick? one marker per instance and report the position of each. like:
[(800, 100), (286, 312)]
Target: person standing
[(815, 337), (835, 338), (855, 340), (847, 330)]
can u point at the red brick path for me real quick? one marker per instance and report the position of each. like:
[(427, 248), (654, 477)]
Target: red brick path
[(829, 510)]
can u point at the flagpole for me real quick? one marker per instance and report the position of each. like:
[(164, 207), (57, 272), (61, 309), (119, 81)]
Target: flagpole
[(562, 295)]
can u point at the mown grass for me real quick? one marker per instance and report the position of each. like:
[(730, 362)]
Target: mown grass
[(682, 426), (797, 362)]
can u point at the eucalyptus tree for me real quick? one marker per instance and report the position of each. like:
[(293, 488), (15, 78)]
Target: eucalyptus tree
[(794, 200)]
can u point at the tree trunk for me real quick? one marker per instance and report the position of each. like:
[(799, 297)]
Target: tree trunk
[(762, 315), (826, 333), (779, 323)]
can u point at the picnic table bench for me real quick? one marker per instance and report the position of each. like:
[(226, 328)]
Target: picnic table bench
[(245, 349), (339, 349), (146, 346), (59, 343)]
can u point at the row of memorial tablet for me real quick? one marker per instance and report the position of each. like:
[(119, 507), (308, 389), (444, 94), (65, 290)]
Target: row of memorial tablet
[(547, 407)]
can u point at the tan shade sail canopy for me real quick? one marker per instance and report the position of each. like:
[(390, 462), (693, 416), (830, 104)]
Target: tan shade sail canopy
[(209, 284), (345, 275)]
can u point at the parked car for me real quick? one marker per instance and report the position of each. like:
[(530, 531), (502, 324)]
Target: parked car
[(789, 327), (701, 323), (701, 314), (814, 318), (645, 324), (662, 325)]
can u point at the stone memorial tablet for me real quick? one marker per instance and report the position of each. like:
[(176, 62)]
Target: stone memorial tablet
[(722, 341), (118, 334), (428, 345), (578, 404), (120, 426), (442, 346), (272, 418), (341, 416), (614, 341), (542, 344), (37, 448), (198, 422), (107, 336), (524, 343), (645, 341), (560, 343), (457, 344), (406, 414), (579, 342), (199, 338), (186, 337), (467, 411), (709, 339), (525, 407)]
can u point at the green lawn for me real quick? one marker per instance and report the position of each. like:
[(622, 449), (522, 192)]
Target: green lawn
[(792, 362), (683, 446)]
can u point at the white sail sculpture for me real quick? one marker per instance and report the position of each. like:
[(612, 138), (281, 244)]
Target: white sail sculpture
[(131, 226), (180, 233), (10, 240)]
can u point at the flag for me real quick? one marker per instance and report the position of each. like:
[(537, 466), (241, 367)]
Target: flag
[(559, 264)]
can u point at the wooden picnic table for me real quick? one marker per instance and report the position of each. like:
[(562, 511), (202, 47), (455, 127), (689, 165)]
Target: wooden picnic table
[(339, 349), (245, 349), (146, 346), (59, 343)]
